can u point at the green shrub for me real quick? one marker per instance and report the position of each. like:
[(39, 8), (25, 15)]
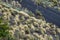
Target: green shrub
[(4, 30)]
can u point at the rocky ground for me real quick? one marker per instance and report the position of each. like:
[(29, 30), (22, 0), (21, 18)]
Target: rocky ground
[(26, 27)]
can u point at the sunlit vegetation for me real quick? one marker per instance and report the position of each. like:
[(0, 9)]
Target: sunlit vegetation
[(37, 1), (25, 25), (47, 2)]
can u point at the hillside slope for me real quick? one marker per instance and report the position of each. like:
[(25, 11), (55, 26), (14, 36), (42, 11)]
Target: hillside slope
[(26, 27), (50, 14)]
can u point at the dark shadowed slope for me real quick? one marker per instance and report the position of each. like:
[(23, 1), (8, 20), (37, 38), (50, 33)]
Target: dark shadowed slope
[(50, 14)]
